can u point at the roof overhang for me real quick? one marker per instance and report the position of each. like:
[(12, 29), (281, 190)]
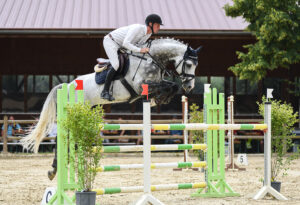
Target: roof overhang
[(96, 33)]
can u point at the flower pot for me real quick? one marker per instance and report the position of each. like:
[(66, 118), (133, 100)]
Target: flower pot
[(85, 198), (276, 185)]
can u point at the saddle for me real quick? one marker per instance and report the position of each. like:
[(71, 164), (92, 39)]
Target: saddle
[(103, 65)]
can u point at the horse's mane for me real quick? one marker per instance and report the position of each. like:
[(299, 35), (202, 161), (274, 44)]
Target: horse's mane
[(168, 52), (167, 40)]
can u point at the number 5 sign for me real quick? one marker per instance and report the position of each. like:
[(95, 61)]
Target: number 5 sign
[(242, 159)]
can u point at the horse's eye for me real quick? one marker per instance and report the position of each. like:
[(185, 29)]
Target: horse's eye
[(188, 65)]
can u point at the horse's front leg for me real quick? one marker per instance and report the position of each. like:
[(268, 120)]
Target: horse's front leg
[(170, 90), (162, 92)]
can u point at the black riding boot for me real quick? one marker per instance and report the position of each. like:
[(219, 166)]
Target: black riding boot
[(105, 93)]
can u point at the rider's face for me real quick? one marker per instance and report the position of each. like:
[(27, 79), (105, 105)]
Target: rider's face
[(156, 27)]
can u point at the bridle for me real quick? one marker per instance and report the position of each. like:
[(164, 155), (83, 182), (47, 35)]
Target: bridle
[(186, 77)]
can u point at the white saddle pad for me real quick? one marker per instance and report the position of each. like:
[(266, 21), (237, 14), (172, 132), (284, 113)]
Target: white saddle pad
[(98, 69)]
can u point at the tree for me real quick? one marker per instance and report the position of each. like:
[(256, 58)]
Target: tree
[(275, 24)]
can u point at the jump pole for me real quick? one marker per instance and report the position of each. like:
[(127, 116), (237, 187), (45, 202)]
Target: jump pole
[(267, 156)]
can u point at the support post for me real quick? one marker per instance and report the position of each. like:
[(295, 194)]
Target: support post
[(230, 110), (65, 171), (215, 156), (147, 144), (185, 121), (147, 197), (267, 173)]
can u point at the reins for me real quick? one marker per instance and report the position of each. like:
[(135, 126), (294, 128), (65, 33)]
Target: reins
[(148, 44), (164, 70)]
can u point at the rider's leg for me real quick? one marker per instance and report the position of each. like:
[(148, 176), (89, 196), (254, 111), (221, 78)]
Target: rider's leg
[(105, 92), (111, 49)]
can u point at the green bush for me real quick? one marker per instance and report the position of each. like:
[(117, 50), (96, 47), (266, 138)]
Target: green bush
[(84, 124), (196, 116), (283, 120)]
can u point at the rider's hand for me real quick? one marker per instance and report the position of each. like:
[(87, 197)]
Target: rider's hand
[(144, 50)]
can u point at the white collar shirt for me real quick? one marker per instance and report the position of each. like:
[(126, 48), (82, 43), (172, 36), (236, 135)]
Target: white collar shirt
[(130, 37)]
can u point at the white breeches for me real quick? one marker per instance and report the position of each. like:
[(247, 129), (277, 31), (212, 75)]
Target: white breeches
[(111, 49)]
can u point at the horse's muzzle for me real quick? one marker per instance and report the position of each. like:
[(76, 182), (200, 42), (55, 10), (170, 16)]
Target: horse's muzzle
[(188, 86)]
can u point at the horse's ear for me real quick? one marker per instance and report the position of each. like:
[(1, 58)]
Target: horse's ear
[(189, 48), (198, 49)]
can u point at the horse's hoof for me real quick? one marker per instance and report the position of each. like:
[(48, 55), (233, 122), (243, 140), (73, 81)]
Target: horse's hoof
[(152, 102), (51, 174)]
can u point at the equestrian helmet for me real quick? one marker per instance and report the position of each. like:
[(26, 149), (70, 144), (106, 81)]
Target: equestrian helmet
[(153, 18)]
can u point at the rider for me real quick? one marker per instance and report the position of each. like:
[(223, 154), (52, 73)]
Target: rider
[(127, 37)]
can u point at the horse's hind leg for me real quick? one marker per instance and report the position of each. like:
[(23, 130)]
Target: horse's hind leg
[(52, 173)]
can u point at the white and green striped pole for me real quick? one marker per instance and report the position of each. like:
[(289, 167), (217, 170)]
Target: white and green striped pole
[(181, 165), (203, 126), (132, 189), (189, 126), (140, 148)]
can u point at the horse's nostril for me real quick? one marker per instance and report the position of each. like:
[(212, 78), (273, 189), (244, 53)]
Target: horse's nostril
[(190, 87)]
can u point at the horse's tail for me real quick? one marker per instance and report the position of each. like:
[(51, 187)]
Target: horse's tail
[(43, 127)]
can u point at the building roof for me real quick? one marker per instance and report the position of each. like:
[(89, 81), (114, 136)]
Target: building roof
[(183, 15)]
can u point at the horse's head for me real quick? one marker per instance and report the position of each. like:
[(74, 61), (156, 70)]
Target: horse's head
[(186, 66)]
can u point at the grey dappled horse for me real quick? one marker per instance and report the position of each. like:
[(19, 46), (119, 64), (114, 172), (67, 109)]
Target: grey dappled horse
[(151, 70)]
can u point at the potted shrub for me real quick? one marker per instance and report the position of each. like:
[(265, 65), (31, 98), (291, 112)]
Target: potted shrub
[(85, 123), (283, 120)]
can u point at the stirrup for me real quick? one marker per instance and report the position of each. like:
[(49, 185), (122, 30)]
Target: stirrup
[(105, 95)]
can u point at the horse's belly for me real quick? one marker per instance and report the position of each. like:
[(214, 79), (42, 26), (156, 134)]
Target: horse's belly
[(120, 93)]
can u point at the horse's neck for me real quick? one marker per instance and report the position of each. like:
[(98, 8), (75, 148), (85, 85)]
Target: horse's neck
[(163, 50), (167, 50)]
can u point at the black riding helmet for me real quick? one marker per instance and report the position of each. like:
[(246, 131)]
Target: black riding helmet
[(153, 18)]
